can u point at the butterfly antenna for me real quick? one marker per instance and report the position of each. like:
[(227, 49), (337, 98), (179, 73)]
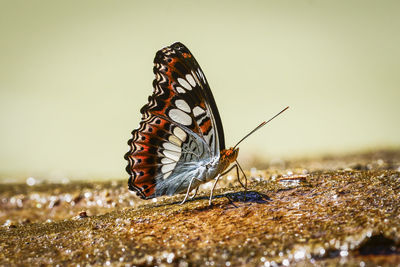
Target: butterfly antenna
[(259, 126)]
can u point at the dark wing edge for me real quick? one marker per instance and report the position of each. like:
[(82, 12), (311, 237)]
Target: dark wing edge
[(192, 64)]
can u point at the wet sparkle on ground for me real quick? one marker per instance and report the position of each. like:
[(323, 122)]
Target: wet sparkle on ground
[(348, 214)]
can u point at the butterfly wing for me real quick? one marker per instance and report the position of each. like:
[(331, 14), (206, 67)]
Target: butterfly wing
[(180, 129)]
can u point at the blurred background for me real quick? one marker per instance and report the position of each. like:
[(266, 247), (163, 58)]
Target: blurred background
[(74, 74)]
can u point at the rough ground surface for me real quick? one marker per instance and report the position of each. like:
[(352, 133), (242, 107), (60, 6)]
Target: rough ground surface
[(329, 211)]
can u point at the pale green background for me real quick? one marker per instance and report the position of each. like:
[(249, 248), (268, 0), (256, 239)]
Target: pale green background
[(74, 74)]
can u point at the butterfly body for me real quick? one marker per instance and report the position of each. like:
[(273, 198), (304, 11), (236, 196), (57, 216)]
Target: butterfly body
[(198, 173), (180, 140)]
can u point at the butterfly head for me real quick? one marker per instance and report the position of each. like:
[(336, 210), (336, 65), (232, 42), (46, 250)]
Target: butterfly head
[(230, 154)]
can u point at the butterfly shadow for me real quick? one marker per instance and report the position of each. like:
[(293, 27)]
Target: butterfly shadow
[(247, 197), (242, 197)]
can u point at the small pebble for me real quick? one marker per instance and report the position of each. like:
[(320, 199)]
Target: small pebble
[(82, 215)]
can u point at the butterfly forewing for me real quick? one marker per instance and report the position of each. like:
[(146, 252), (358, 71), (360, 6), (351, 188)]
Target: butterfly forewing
[(180, 126)]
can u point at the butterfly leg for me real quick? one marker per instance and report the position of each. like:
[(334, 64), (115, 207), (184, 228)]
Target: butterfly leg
[(245, 178), (188, 190), (237, 174), (195, 193), (212, 190), (237, 166)]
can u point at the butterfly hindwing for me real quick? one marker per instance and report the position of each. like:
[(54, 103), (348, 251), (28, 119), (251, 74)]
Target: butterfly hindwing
[(180, 126), (155, 149)]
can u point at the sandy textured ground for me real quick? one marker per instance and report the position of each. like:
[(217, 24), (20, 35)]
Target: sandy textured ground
[(327, 211)]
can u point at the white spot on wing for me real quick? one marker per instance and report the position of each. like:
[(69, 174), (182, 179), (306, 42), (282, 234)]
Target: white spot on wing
[(184, 83), (201, 75), (181, 104), (174, 140), (178, 132), (167, 161), (179, 116), (172, 147), (167, 168), (172, 155), (180, 90), (198, 111), (196, 77), (190, 80)]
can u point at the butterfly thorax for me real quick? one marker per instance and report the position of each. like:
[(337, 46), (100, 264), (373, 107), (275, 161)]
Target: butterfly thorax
[(228, 156), (211, 168)]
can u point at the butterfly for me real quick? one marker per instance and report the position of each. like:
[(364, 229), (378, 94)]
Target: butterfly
[(180, 143)]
